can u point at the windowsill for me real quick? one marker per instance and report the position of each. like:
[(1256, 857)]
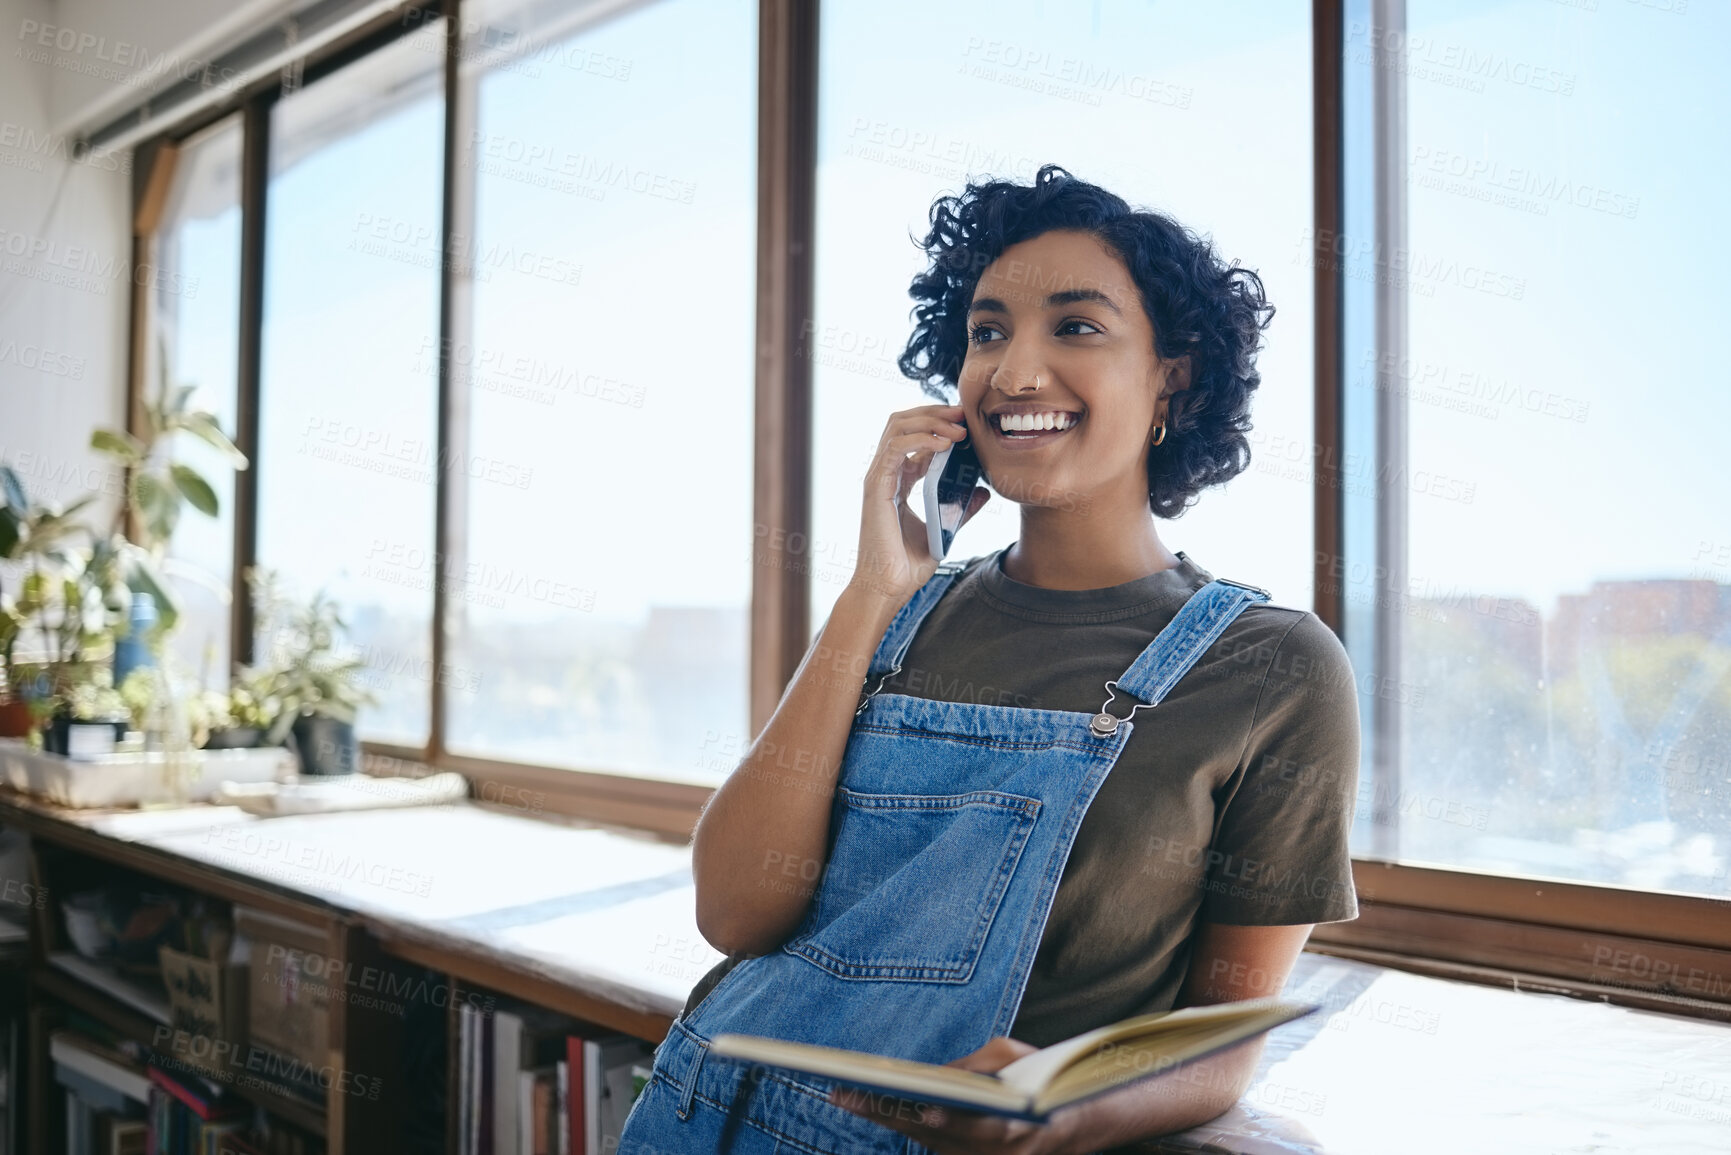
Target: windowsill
[(1408, 1063), (1395, 1061)]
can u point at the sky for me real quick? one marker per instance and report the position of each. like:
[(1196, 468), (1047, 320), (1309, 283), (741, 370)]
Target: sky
[(1564, 393)]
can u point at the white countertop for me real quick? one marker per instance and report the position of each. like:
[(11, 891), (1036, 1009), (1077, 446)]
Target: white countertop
[(1396, 1064)]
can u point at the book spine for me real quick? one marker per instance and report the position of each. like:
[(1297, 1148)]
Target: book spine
[(576, 1121), (562, 1107), (465, 1016)]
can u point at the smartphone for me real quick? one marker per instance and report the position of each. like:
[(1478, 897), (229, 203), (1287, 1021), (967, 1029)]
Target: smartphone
[(950, 483)]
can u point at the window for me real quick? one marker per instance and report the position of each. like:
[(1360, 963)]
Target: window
[(1512, 514), (1123, 94), (1552, 583), (598, 599), (348, 394), (194, 307)]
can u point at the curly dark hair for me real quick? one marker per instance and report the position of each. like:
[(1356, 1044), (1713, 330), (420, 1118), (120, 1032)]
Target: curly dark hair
[(1198, 304)]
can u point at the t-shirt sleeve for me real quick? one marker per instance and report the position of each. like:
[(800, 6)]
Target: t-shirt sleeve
[(1280, 854)]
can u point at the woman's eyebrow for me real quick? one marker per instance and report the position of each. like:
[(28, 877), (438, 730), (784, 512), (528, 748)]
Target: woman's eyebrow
[(1071, 296), (1061, 297)]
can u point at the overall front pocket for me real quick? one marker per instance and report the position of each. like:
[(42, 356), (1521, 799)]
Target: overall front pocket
[(913, 884)]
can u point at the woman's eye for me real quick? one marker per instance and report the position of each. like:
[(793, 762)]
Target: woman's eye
[(1067, 328), (979, 333)]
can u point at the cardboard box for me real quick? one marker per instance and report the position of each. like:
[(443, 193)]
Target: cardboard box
[(207, 1001), (288, 993)]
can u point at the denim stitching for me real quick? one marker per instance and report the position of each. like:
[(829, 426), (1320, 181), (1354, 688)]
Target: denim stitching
[(907, 970)]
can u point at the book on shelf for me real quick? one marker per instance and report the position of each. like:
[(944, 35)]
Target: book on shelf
[(607, 1092), (571, 1135), (529, 1082), (1035, 1085), (98, 1066)]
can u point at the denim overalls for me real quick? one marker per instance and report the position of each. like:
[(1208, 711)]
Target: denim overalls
[(951, 825)]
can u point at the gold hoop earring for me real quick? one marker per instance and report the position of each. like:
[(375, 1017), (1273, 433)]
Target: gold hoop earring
[(1159, 434)]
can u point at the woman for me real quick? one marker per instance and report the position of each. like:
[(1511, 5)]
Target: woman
[(952, 841)]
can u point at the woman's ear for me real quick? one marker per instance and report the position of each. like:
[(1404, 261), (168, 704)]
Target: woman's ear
[(1176, 373)]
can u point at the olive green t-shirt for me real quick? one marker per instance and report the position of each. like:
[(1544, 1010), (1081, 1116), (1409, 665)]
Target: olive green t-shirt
[(1230, 803)]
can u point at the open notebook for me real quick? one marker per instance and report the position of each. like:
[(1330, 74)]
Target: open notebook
[(1036, 1084)]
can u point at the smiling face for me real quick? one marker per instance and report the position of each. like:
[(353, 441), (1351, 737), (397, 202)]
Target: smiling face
[(1061, 386)]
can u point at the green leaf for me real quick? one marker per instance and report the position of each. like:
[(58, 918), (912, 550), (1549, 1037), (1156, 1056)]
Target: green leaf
[(117, 443), (13, 489), (142, 577), (177, 404), (204, 427), (9, 533), (196, 489), (158, 505)]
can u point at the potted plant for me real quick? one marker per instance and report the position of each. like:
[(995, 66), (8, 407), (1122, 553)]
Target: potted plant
[(38, 538), (315, 689), (236, 720), (91, 720), (158, 487)]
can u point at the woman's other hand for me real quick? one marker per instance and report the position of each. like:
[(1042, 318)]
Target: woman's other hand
[(894, 560), (951, 1129)]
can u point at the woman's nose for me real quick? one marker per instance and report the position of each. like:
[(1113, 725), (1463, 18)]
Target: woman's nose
[(1016, 374)]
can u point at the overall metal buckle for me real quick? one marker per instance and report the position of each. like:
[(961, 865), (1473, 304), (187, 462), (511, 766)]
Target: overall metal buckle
[(869, 694), (1246, 586), (1105, 724)]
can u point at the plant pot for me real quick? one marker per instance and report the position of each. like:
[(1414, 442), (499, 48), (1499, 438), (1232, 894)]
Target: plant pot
[(59, 736), (235, 738), (325, 745), (15, 719)]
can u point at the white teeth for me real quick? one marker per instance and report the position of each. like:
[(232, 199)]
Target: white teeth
[(1029, 422)]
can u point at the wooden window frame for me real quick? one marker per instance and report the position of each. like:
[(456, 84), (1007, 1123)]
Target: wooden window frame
[(1638, 948)]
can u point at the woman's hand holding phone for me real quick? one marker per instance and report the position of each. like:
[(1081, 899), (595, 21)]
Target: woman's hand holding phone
[(894, 558)]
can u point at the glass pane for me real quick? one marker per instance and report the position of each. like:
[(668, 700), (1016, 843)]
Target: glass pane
[(598, 616), (1202, 111), (349, 399), (1567, 634), (196, 313)]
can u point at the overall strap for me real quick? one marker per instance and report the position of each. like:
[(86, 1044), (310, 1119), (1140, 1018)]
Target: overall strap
[(1177, 648), (900, 635)]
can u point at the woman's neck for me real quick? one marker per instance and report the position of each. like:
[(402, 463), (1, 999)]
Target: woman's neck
[(1085, 549)]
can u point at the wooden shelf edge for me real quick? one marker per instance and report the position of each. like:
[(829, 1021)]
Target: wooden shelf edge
[(531, 988), (169, 867)]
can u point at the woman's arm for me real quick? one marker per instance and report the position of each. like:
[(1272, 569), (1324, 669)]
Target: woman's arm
[(760, 847), (1228, 963), (762, 843)]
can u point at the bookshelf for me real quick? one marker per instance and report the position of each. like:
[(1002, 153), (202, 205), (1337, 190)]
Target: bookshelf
[(596, 945)]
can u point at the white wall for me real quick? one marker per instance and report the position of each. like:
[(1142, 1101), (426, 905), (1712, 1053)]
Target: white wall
[(64, 279), (110, 53)]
